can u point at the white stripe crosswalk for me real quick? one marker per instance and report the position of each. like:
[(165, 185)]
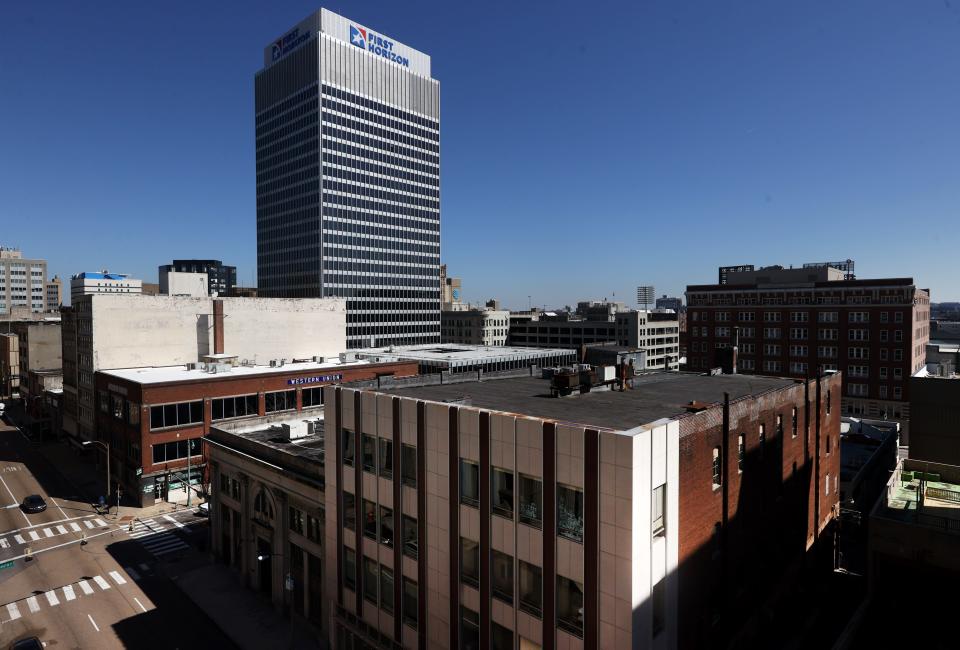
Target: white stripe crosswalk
[(68, 592), (174, 521), (13, 611), (103, 584), (19, 539), (119, 579), (33, 604), (75, 526), (61, 530), (51, 598), (85, 587), (34, 535), (4, 543), (48, 532)]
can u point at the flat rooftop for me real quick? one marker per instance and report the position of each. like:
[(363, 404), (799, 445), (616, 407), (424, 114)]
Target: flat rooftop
[(172, 374), (456, 354), (264, 437), (654, 396)]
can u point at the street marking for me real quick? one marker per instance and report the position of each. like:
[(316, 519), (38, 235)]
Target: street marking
[(4, 543), (139, 603), (14, 611), (46, 523), (33, 604), (48, 532), (58, 507), (103, 584), (75, 526), (86, 538), (61, 530), (34, 535), (85, 587), (68, 592), (101, 522), (118, 578), (88, 523), (52, 598), (14, 499), (175, 522), (19, 539), (93, 623), (130, 572)]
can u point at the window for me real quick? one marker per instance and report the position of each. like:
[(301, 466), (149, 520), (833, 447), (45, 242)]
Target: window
[(857, 390), (313, 529), (883, 392), (386, 526), (858, 317), (798, 368), (828, 445), (826, 484), (410, 603), (798, 333), (296, 520), (176, 415), (898, 373), (799, 316), (349, 511), (570, 513), (897, 392), (311, 397), (771, 349), (884, 354), (741, 451), (469, 483), (368, 451), (531, 501), (793, 423), (501, 492), (771, 317), (408, 465), (858, 335), (410, 536), (349, 568), (771, 332), (386, 458), (386, 589), (762, 439), (166, 452), (898, 355), (829, 402), (370, 519), (233, 407), (225, 484), (469, 562), (469, 629), (657, 508), (283, 400), (570, 606), (348, 447), (370, 579), (501, 638), (898, 317), (898, 336), (884, 336), (828, 335), (659, 607), (530, 584), (502, 569)]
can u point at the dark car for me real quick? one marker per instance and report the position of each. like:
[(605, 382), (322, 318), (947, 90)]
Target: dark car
[(30, 643), (33, 503)]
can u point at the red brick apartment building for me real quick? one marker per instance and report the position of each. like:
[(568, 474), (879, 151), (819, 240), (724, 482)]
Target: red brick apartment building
[(792, 322), (154, 418)]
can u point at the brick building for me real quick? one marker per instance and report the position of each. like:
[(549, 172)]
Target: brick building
[(154, 418), (792, 322)]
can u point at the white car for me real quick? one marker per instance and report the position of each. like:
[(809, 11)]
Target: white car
[(203, 509)]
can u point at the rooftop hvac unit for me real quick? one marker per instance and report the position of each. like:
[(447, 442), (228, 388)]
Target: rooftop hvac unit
[(294, 430), (283, 362), (193, 366), (273, 363), (318, 359)]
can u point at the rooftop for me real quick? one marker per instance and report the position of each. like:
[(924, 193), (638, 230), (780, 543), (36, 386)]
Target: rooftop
[(263, 437), (927, 494), (171, 374), (100, 275), (453, 354), (654, 396)]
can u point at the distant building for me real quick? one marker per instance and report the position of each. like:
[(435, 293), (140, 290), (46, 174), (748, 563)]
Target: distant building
[(945, 330), (943, 358), (54, 294), (457, 359), (475, 326), (108, 331), (89, 283), (868, 453), (40, 349), (665, 302), (183, 283), (242, 292), (9, 365), (150, 288), (221, 279), (792, 322), (935, 419), (451, 291), (23, 282)]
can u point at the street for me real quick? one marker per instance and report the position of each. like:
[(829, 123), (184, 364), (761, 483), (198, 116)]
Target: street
[(78, 579)]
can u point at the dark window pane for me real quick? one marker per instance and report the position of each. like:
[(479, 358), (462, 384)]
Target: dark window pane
[(386, 526), (158, 454), (659, 607), (386, 458), (500, 637), (410, 536), (349, 568), (570, 513), (469, 562), (386, 589), (501, 488), (469, 629), (196, 412), (156, 417), (370, 578), (469, 483), (408, 463), (349, 511), (531, 501), (348, 447), (570, 605), (503, 577), (183, 413), (530, 584), (252, 406), (369, 453), (410, 602), (170, 415), (369, 519)]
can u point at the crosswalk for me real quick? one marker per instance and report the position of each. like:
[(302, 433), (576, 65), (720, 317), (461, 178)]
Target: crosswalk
[(155, 537), (56, 597), (40, 533)]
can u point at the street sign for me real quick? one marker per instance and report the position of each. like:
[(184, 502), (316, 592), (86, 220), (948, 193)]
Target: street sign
[(6, 565)]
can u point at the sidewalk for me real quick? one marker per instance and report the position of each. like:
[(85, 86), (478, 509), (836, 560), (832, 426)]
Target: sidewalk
[(242, 614)]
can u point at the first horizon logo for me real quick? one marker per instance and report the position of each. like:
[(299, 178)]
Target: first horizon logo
[(365, 39)]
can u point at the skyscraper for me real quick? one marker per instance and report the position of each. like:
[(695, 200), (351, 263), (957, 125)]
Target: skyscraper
[(348, 178)]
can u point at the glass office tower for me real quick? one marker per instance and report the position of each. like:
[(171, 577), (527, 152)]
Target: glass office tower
[(348, 178)]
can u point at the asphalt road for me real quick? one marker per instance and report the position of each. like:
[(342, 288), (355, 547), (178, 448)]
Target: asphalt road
[(85, 582)]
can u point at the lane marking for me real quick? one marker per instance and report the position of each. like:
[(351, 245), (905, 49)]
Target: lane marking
[(175, 522), (93, 623), (68, 592), (52, 598), (33, 604), (14, 498), (46, 523), (19, 539), (34, 535), (103, 584), (88, 523), (85, 587), (118, 578), (62, 530), (75, 526), (139, 603), (48, 532), (61, 545), (101, 522), (4, 543), (58, 507), (14, 611), (131, 572)]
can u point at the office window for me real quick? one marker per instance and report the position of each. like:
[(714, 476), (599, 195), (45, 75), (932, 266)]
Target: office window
[(501, 638), (501, 492), (295, 520), (386, 589), (469, 483), (410, 603), (369, 519), (469, 562), (172, 415), (502, 569), (408, 465), (368, 451), (659, 607), (233, 407), (658, 507), (165, 452), (531, 500), (349, 568), (883, 392), (897, 392), (386, 458), (469, 629), (370, 577), (828, 402), (410, 536), (348, 447), (349, 511), (311, 397), (741, 451), (716, 468), (283, 400), (530, 584), (313, 528), (570, 513), (570, 606), (386, 526)]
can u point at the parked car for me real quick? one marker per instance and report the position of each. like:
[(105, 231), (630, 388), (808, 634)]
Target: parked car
[(203, 509), (33, 503)]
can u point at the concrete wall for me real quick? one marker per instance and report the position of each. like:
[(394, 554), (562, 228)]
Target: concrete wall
[(275, 328), (175, 283), (45, 351)]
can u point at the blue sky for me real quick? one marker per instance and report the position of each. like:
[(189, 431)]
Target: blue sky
[(586, 147)]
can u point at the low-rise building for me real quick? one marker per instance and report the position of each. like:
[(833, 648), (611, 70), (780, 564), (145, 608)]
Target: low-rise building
[(93, 282), (935, 418), (9, 365), (181, 283), (460, 359), (220, 278), (54, 293), (475, 326), (943, 358), (23, 282)]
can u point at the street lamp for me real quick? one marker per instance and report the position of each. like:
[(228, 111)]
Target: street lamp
[(106, 446)]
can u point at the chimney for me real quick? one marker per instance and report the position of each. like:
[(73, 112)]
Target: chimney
[(218, 327)]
